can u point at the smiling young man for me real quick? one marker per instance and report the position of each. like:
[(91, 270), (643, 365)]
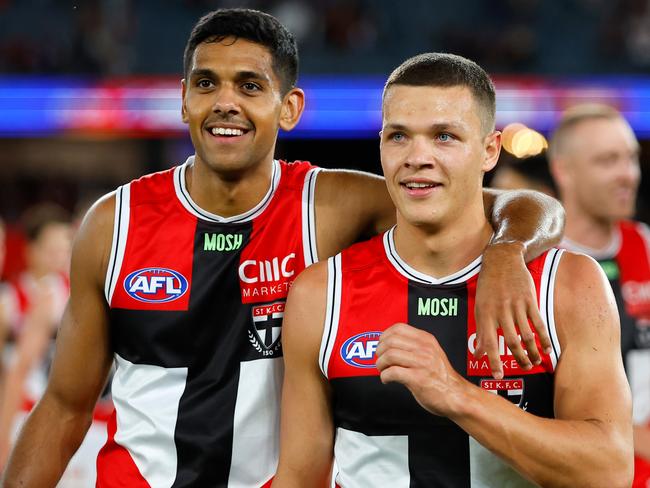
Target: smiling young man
[(181, 277), (378, 341)]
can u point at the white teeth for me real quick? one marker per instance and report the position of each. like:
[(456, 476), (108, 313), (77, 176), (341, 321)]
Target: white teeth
[(413, 184), (222, 131)]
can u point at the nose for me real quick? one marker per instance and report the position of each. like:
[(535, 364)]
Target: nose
[(225, 101), (421, 153), (630, 172)]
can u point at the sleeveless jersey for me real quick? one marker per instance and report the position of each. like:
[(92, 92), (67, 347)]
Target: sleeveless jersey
[(626, 262), (196, 305), (383, 436)]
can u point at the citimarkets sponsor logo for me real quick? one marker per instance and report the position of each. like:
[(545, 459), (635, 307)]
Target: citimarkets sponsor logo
[(155, 285), (359, 350)]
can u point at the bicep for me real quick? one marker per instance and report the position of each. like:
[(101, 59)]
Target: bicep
[(590, 380), (83, 357), (307, 435)]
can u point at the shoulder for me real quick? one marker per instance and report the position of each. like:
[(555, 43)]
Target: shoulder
[(93, 240), (311, 283), (584, 301), (341, 180)]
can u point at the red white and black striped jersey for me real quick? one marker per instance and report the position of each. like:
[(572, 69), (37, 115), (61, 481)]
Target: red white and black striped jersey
[(196, 305), (383, 436)]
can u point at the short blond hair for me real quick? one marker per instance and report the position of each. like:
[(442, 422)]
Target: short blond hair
[(574, 116)]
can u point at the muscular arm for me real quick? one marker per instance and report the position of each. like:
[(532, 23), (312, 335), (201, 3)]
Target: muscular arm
[(61, 418), (589, 443), (306, 429), (351, 205)]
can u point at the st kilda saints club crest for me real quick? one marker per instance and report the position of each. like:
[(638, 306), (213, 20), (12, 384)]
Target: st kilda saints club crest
[(264, 334), (511, 389)]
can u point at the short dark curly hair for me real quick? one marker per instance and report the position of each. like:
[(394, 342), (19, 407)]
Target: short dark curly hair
[(447, 70), (254, 26)]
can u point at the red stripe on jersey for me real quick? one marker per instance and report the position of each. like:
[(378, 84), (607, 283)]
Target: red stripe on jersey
[(115, 467), (151, 277), (365, 313), (268, 266), (634, 264)]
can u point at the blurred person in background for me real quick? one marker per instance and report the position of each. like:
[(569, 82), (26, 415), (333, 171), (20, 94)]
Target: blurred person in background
[(180, 277), (594, 160), (33, 305), (4, 294), (531, 173)]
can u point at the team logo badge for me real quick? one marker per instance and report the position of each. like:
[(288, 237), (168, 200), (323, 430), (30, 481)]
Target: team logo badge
[(267, 325), (359, 350), (511, 389), (155, 285)]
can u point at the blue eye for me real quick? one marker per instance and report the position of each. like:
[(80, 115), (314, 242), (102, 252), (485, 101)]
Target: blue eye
[(444, 137), (397, 136)]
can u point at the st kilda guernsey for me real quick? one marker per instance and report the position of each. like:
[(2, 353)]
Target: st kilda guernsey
[(196, 305), (383, 436)]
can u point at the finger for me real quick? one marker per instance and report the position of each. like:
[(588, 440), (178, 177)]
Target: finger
[(399, 340), (514, 343), (528, 337), (540, 328), (397, 357), (396, 374), (488, 345)]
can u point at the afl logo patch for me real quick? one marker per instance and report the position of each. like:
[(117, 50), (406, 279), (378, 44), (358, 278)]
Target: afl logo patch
[(359, 350), (155, 285)]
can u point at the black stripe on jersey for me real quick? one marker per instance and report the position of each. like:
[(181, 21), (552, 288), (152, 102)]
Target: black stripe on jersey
[(204, 429), (310, 224), (117, 243), (549, 311), (440, 456)]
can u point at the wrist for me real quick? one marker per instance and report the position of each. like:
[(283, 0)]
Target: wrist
[(503, 247)]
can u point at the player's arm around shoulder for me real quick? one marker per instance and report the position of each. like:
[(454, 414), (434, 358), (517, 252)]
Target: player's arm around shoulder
[(350, 206), (306, 428), (590, 382), (59, 422)]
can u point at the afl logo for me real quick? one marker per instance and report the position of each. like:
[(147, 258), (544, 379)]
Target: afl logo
[(359, 350), (155, 285)]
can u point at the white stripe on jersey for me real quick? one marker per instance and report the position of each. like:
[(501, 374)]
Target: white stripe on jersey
[(120, 233), (371, 460), (310, 250), (546, 300), (332, 314), (146, 399), (260, 383), (487, 470)]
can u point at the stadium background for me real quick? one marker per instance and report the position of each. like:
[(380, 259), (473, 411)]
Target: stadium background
[(90, 90)]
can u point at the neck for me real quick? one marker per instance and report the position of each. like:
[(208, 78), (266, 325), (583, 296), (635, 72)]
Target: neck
[(442, 251), (587, 230), (228, 194)]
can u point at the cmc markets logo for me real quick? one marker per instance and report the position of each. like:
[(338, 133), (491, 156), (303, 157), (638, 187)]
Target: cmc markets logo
[(263, 271), (155, 285), (359, 350)]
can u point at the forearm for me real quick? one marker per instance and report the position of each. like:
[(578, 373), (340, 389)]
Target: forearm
[(51, 428), (530, 219), (550, 452)]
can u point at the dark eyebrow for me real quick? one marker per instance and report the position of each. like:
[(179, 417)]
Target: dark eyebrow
[(252, 75), (208, 73)]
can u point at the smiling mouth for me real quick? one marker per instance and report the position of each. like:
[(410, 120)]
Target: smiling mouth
[(227, 132), (412, 185)]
